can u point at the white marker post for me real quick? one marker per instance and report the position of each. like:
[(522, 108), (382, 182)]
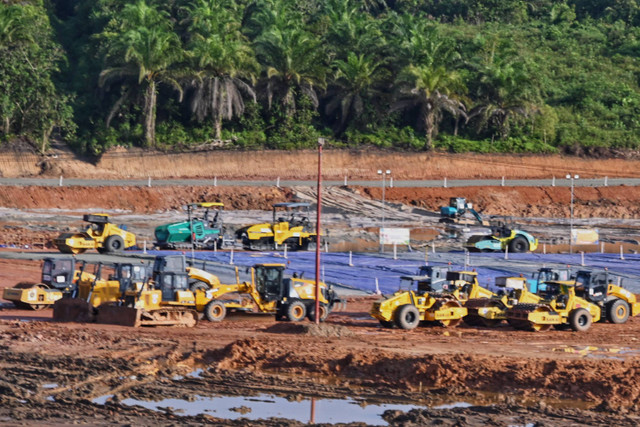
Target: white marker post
[(395, 251), (278, 182), (345, 180), (285, 251), (553, 181), (350, 259), (506, 252), (60, 183), (582, 258), (144, 247), (621, 253), (377, 288), (149, 181), (215, 181), (445, 182), (231, 257), (601, 247)]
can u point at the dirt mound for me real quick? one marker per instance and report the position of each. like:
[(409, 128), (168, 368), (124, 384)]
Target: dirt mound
[(311, 329)]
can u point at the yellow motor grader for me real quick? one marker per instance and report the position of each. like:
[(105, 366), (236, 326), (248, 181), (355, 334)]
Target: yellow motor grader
[(559, 307), (101, 235), (492, 311), (432, 302)]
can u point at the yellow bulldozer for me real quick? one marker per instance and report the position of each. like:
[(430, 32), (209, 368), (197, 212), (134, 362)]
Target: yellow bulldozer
[(559, 307), (290, 226), (493, 310), (59, 276), (432, 302), (101, 235)]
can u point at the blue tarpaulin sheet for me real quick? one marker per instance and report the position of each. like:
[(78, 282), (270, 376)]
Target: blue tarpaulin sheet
[(369, 268)]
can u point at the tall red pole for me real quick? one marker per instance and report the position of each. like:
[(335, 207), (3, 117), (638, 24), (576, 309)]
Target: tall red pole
[(320, 144)]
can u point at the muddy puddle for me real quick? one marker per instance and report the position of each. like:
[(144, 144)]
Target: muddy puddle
[(265, 406), (589, 351)]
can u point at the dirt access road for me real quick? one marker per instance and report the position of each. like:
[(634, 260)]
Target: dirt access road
[(61, 374)]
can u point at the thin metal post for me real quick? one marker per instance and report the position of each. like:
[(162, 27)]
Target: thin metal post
[(319, 210)]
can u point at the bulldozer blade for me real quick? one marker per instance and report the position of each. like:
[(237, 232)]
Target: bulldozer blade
[(73, 310), (119, 315)]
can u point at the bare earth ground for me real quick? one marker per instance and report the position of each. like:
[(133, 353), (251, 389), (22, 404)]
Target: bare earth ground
[(51, 372)]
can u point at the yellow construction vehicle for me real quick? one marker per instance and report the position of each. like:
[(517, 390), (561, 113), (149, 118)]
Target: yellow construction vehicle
[(92, 290), (491, 311), (101, 235), (559, 307), (598, 287), (59, 276), (296, 231), (431, 301)]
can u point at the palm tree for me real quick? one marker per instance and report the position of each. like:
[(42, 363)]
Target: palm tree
[(223, 61), (505, 90), (356, 79), (144, 48), (292, 58), (432, 90), (429, 82)]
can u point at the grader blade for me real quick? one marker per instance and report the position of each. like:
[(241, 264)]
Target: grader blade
[(73, 310), (119, 315)]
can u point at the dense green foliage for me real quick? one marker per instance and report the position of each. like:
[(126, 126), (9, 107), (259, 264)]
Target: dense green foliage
[(461, 75)]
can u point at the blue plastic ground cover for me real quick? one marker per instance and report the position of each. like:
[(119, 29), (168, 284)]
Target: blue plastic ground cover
[(371, 269)]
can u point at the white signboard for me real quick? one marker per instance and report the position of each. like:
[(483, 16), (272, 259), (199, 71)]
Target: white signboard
[(584, 236), (398, 236)]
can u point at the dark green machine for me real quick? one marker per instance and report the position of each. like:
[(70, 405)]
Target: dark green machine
[(203, 229)]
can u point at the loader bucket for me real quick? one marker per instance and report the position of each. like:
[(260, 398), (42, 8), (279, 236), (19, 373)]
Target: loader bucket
[(119, 315), (73, 310)]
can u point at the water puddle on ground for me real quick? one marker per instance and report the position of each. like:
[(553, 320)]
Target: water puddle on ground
[(618, 353), (264, 406)]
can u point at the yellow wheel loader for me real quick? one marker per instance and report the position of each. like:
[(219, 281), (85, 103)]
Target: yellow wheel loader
[(435, 302), (101, 235), (598, 287), (492, 311), (59, 276), (559, 307), (290, 226)]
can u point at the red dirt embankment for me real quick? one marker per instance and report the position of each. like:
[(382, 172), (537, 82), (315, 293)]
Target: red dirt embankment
[(601, 202)]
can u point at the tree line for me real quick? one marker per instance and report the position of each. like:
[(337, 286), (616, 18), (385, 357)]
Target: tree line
[(462, 75)]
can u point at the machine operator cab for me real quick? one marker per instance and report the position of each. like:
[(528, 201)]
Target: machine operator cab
[(269, 281), (558, 292), (592, 285), (58, 272), (170, 275), (298, 213), (460, 280)]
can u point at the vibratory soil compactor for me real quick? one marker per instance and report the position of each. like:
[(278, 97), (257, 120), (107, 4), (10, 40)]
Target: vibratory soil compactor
[(493, 310), (559, 307), (59, 276), (101, 235), (598, 288), (435, 302), (296, 231)]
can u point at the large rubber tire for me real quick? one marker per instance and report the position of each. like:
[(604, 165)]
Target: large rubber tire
[(580, 319), (617, 311), (311, 312), (296, 311), (198, 286), (407, 316), (114, 244), (518, 245), (215, 311)]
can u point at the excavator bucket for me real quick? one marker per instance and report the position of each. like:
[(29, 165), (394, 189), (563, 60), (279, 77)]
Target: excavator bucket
[(73, 310), (119, 315)]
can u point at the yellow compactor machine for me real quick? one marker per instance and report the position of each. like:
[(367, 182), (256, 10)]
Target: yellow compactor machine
[(433, 302), (101, 235), (559, 307)]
